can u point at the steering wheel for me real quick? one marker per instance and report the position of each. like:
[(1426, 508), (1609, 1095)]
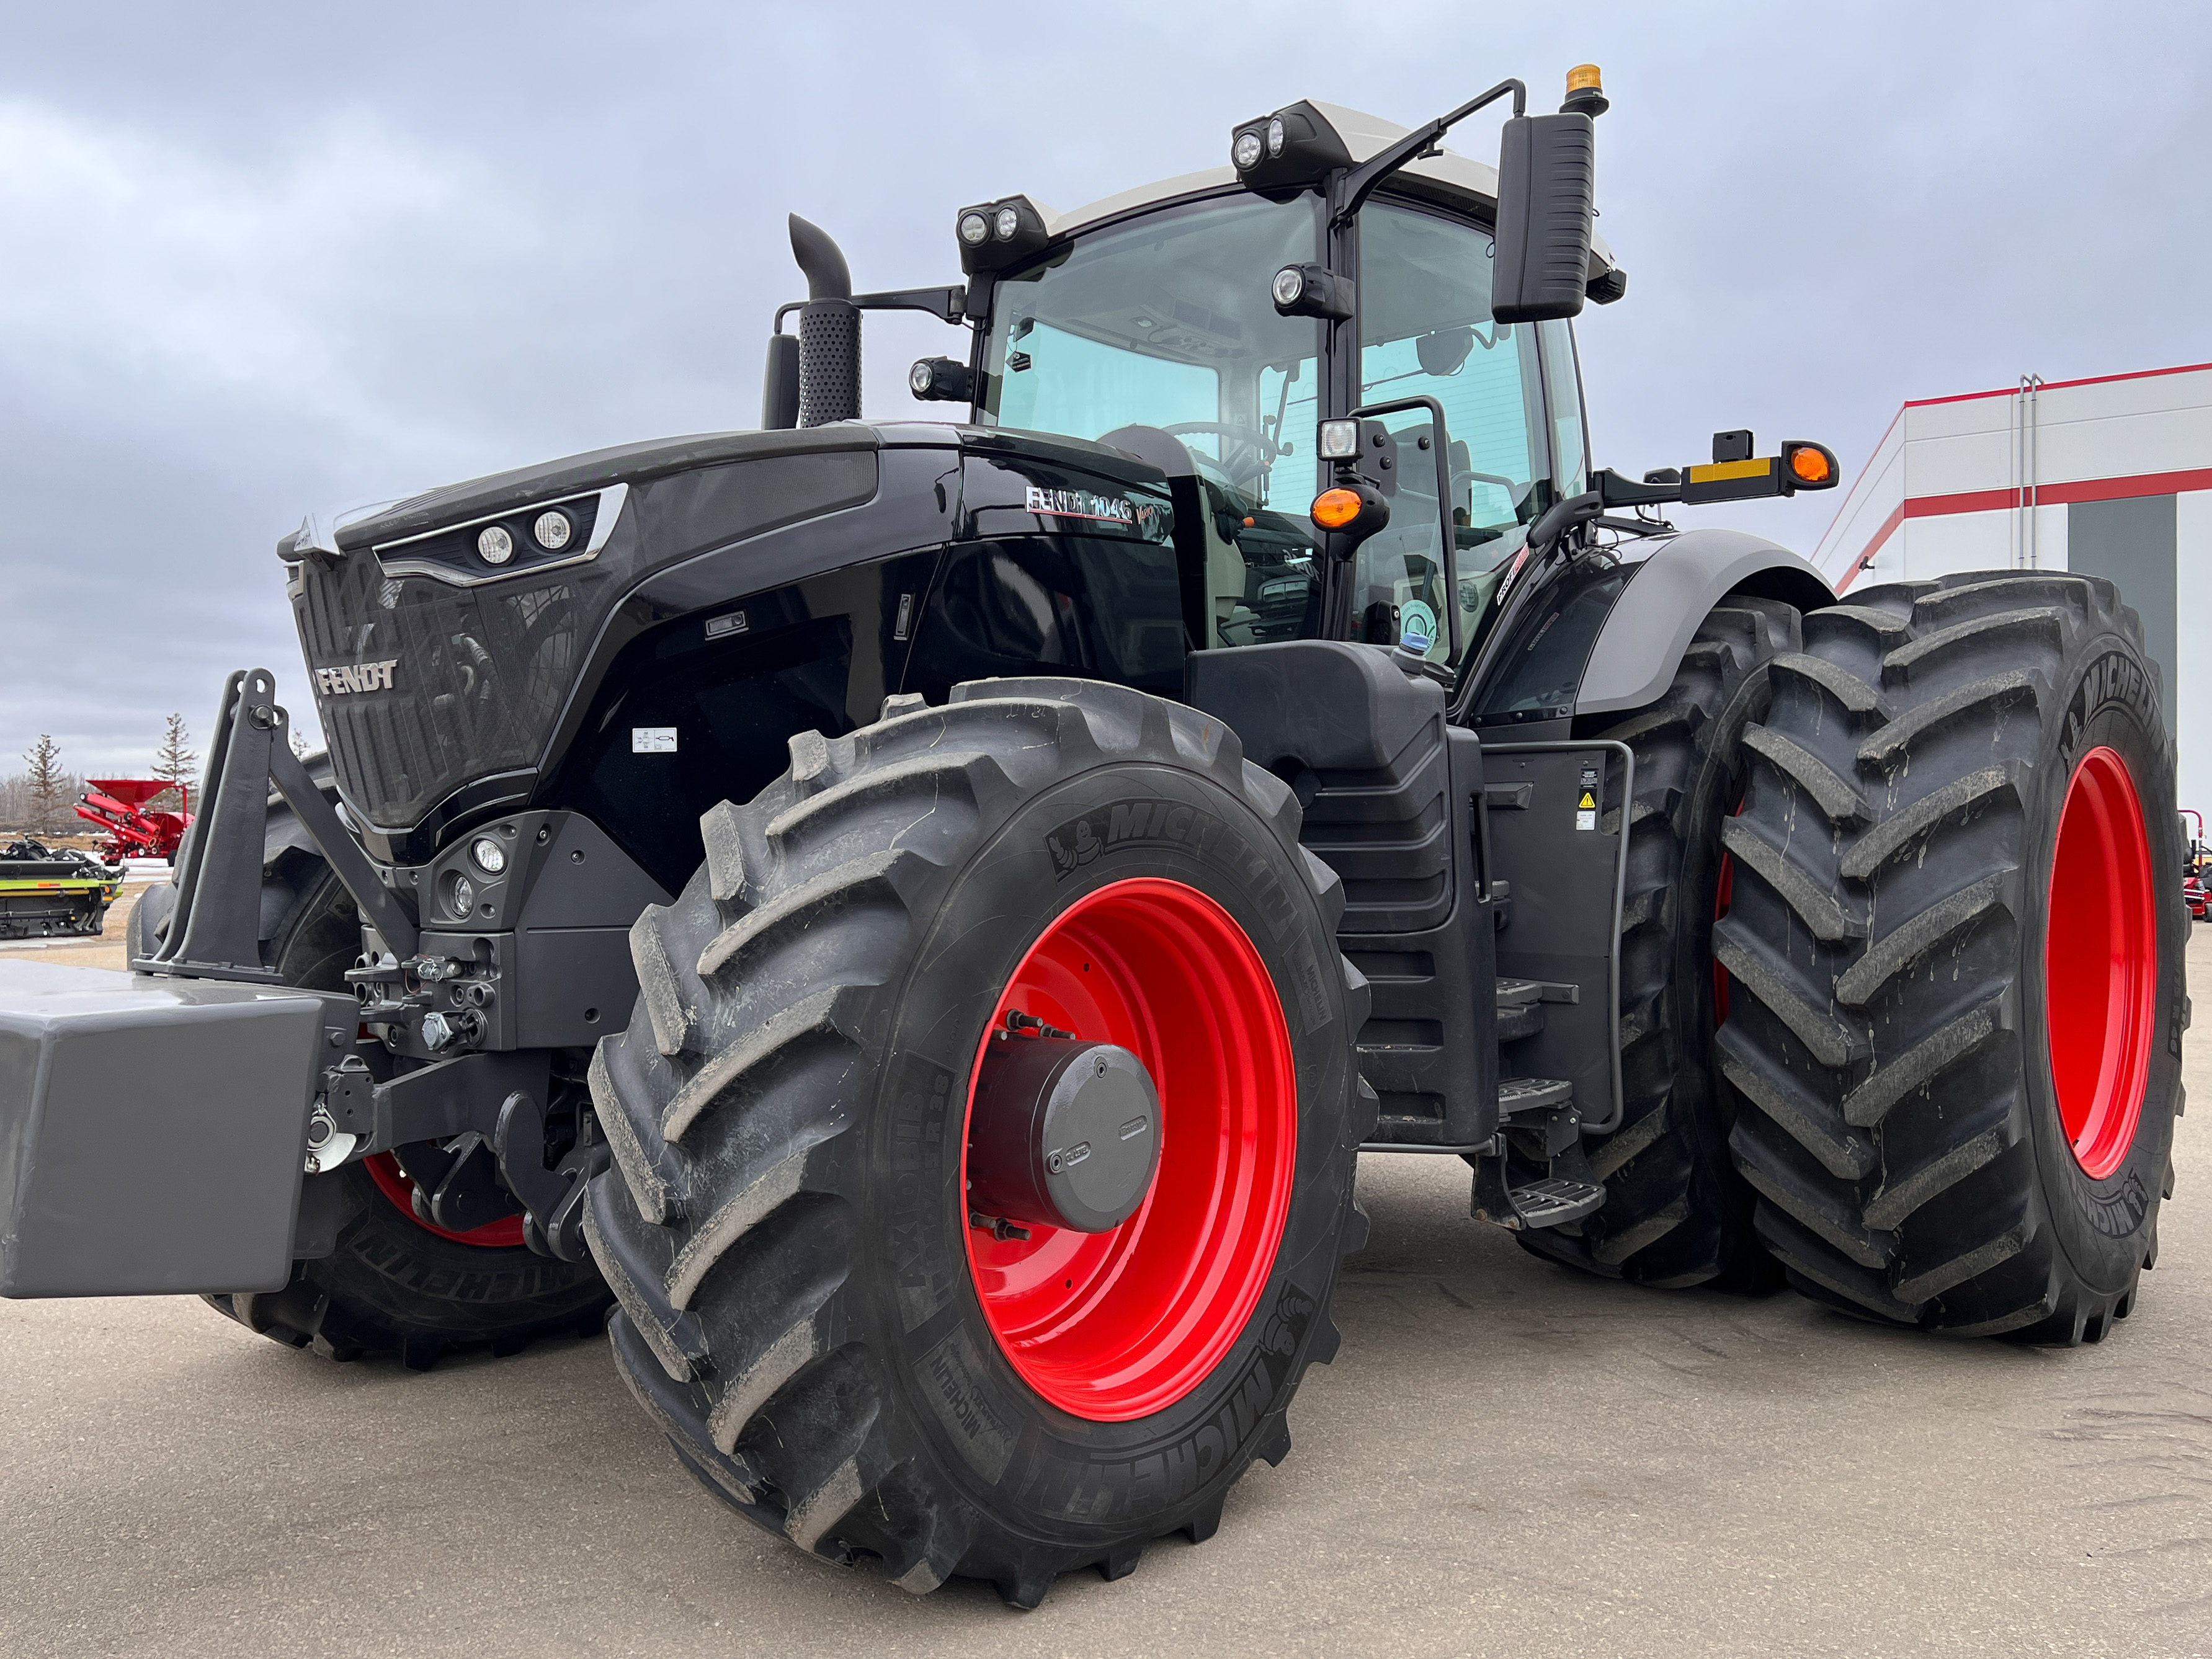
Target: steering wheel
[(1262, 448)]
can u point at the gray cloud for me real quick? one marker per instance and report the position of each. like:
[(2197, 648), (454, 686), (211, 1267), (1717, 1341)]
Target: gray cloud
[(260, 258)]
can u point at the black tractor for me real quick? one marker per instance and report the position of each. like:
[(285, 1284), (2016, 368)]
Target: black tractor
[(925, 919)]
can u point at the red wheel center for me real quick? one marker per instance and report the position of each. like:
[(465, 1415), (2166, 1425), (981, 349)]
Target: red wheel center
[(2100, 962), (1117, 1325)]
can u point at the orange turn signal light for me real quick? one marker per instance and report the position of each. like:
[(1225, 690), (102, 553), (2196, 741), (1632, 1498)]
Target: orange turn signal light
[(1809, 467), (1332, 509)]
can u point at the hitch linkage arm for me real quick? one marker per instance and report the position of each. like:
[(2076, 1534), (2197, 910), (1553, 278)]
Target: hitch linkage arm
[(215, 928)]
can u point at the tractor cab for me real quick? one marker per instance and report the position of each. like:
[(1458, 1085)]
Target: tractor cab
[(1210, 323)]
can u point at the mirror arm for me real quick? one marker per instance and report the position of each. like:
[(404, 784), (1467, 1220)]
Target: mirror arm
[(1354, 188), (945, 304)]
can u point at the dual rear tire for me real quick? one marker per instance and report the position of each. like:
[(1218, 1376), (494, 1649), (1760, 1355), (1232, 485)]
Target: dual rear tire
[(1957, 939)]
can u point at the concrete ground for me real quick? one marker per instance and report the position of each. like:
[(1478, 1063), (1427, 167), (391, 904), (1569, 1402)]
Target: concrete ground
[(1506, 1458)]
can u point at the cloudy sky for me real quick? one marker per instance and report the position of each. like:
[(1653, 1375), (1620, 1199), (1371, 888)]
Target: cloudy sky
[(260, 258)]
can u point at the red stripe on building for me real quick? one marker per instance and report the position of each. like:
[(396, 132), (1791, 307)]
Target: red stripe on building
[(2057, 494), (2055, 386)]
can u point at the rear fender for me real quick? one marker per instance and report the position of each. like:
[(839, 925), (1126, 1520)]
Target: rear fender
[(1633, 659)]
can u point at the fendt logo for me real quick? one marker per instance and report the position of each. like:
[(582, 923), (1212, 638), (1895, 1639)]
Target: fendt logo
[(1080, 504), (355, 677)]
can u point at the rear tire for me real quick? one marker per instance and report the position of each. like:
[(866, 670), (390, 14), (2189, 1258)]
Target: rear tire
[(393, 1285), (1919, 1130), (1676, 1212), (802, 1309)]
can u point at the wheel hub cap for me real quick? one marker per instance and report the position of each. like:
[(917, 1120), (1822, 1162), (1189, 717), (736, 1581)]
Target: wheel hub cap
[(1065, 1133)]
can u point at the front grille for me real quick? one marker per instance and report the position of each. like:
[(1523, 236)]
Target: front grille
[(480, 676)]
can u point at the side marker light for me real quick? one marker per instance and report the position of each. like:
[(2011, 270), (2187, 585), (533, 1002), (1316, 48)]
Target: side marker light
[(1332, 509)]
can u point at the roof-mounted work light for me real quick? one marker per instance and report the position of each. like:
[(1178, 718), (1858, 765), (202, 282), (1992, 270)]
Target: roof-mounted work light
[(1280, 155), (995, 235)]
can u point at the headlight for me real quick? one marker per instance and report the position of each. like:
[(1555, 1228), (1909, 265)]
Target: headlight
[(490, 856), (461, 896), (494, 544), (552, 530), (973, 229), (1245, 152)]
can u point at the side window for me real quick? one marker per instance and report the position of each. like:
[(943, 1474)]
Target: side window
[(1563, 388), (1426, 330), (1036, 605)]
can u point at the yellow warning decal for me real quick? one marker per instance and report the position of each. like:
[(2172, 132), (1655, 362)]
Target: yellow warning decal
[(1587, 804), (1719, 471)]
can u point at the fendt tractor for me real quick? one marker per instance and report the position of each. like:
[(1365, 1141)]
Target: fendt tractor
[(909, 927)]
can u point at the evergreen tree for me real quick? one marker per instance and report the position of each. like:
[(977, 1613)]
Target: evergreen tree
[(175, 762), (45, 782)]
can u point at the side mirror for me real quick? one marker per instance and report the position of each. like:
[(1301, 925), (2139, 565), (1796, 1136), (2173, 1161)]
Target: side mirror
[(780, 384), (1546, 175)]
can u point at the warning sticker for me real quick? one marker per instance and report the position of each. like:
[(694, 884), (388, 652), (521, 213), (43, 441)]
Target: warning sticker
[(652, 740), (1586, 803)]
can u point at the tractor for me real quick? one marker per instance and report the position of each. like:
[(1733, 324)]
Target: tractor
[(909, 927)]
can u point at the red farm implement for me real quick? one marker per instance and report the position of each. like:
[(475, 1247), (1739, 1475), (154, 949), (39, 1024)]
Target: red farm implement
[(119, 805)]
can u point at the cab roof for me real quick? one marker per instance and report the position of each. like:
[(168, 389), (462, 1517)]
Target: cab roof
[(1474, 184)]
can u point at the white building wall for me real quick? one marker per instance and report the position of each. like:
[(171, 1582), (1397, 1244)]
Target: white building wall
[(2192, 678), (1944, 492)]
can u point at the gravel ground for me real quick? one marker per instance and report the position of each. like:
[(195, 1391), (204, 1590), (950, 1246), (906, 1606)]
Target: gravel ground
[(1505, 1458)]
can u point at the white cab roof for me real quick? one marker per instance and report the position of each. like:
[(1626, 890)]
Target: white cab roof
[(1363, 135)]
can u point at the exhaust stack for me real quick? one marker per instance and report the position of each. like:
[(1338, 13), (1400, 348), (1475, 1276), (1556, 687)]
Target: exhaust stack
[(829, 329)]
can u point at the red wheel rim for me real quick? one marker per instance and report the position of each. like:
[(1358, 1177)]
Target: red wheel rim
[(504, 1234), (1118, 1325), (2100, 962)]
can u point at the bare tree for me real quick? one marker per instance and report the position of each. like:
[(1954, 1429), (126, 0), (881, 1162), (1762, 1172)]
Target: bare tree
[(174, 764), (46, 786)]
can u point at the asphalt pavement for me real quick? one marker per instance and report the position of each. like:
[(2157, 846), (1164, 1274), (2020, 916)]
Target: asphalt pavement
[(1506, 1458)]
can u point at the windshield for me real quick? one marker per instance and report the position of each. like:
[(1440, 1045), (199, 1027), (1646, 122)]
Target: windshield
[(1166, 322)]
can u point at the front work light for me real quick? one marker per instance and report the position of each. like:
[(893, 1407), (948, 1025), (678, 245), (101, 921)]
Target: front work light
[(1009, 222), (1340, 439), (1244, 154), (1310, 291), (974, 229), (490, 856), (940, 379)]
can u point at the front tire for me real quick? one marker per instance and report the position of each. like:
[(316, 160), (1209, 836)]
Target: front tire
[(1957, 938), (809, 1307)]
